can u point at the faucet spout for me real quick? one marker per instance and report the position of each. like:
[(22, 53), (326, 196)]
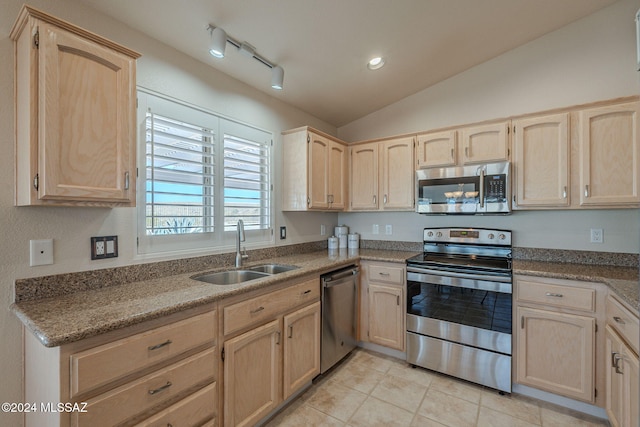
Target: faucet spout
[(240, 238)]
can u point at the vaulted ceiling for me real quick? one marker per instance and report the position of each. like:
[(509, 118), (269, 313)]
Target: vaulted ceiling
[(324, 45)]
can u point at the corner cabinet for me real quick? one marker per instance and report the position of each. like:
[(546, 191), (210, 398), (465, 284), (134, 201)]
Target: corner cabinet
[(622, 366), (314, 171), (382, 175), (75, 115)]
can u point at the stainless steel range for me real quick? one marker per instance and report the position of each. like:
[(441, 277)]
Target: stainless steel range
[(459, 305)]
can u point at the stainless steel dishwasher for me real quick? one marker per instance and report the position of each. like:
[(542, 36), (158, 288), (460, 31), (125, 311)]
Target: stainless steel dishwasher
[(339, 297)]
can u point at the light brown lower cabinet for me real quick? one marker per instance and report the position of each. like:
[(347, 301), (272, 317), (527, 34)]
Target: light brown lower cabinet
[(622, 376), (382, 304), (148, 374), (556, 347), (556, 352), (276, 356)]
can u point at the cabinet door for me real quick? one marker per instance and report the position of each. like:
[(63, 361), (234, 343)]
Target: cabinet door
[(364, 177), (386, 320), (301, 348), (318, 171), (614, 380), (252, 375), (436, 149), (556, 352), (610, 155), (486, 143), (398, 186), (541, 148), (632, 388), (86, 132), (337, 176)]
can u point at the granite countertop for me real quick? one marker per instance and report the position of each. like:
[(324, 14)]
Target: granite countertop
[(622, 280), (68, 318), (64, 319)]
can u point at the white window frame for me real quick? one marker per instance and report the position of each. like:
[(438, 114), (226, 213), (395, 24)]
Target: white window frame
[(218, 241)]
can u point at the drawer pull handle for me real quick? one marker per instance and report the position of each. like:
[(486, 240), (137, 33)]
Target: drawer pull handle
[(308, 291), (618, 320), (383, 274), (549, 294), (157, 346), (257, 310), (159, 389)]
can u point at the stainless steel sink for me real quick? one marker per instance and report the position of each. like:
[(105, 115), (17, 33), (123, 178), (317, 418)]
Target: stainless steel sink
[(230, 277), (273, 268)]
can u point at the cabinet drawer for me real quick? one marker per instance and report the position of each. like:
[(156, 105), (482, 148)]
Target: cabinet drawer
[(134, 398), (265, 307), (624, 322), (97, 366), (387, 274), (557, 295), (190, 411)]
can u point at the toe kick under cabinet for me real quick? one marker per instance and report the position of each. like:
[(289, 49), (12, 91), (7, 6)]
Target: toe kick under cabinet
[(158, 373)]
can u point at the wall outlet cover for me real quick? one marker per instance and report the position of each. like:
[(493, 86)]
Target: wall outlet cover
[(40, 252), (104, 247)]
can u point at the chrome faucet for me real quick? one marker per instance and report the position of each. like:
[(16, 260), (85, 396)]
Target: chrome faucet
[(240, 238)]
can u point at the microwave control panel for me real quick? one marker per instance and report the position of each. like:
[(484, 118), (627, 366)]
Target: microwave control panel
[(495, 187)]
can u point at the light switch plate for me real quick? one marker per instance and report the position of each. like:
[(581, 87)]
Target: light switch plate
[(40, 252)]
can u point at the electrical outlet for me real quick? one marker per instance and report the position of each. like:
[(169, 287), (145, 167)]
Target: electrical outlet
[(597, 235), (283, 233), (40, 252), (388, 229), (104, 247), (323, 230), (376, 229)]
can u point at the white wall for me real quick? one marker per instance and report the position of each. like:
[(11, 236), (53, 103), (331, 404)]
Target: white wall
[(162, 69), (589, 60)]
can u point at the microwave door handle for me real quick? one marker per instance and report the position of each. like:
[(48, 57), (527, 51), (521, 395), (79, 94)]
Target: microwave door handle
[(482, 188)]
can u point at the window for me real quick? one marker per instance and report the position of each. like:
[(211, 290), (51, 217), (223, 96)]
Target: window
[(202, 173)]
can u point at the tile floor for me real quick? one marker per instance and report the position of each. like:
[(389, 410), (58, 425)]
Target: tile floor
[(369, 389)]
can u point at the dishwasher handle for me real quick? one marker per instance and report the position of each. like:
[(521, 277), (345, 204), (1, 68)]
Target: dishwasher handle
[(326, 280)]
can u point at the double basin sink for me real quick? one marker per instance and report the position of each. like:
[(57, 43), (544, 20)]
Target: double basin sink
[(232, 277)]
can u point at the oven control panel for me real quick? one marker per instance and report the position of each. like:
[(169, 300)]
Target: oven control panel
[(477, 236)]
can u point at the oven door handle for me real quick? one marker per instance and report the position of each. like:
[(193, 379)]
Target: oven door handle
[(414, 274)]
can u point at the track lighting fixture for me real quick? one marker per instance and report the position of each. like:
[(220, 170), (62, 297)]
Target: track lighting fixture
[(219, 40)]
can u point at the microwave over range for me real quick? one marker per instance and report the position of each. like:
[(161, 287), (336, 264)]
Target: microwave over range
[(473, 189)]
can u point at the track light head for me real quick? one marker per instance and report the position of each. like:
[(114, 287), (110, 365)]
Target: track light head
[(277, 77), (218, 42)]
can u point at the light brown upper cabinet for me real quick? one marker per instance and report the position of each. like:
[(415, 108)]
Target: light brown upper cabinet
[(541, 161), (382, 175), (437, 149), (610, 155), (314, 171), (485, 143), (75, 115)]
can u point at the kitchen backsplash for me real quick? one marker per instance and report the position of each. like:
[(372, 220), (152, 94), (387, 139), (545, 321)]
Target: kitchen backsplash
[(61, 284)]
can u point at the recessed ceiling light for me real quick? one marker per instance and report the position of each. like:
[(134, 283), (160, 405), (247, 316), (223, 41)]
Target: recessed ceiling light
[(375, 63)]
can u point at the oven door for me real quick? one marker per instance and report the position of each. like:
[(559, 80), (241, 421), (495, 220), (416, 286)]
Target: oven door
[(460, 308)]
